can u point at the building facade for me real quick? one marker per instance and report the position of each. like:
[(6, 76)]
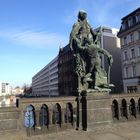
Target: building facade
[(67, 78), (111, 43), (5, 89), (130, 47), (17, 91), (45, 82)]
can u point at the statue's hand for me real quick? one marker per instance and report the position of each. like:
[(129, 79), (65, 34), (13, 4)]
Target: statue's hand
[(110, 59), (71, 49)]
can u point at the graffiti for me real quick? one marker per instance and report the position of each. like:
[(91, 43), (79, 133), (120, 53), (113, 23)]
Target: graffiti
[(29, 117)]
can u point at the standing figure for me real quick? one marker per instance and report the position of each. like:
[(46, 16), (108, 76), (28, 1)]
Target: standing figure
[(85, 45), (81, 30)]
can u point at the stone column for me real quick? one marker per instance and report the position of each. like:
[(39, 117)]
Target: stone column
[(84, 110), (50, 117), (63, 124), (137, 110), (62, 116), (78, 111), (128, 111), (112, 110), (119, 112), (37, 117), (51, 127)]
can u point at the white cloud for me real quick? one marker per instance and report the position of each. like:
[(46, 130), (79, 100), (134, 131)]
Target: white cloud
[(37, 39)]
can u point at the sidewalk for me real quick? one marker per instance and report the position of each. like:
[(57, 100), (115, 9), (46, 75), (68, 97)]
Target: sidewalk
[(120, 131)]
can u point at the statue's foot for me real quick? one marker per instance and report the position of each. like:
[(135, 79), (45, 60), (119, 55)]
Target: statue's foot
[(111, 85), (88, 75), (97, 88), (87, 78), (104, 88)]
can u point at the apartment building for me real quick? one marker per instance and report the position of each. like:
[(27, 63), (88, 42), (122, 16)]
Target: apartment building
[(45, 82), (130, 48), (5, 89)]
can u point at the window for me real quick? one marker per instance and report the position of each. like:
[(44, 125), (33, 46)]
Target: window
[(138, 51), (138, 17), (132, 53), (134, 19), (125, 40), (131, 37), (3, 88), (125, 55), (126, 72), (130, 22), (132, 89), (133, 70), (123, 26), (138, 35), (126, 24)]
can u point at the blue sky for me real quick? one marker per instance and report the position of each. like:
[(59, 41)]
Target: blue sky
[(31, 31)]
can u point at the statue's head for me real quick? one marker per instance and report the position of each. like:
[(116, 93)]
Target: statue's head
[(82, 15)]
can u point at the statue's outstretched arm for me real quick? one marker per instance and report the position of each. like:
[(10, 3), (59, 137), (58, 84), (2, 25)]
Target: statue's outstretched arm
[(105, 52)]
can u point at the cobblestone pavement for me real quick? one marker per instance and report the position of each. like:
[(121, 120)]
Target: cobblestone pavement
[(120, 131)]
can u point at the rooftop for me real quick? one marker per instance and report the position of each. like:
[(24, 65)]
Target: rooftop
[(130, 14)]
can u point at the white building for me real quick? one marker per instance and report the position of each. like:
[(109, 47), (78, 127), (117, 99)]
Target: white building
[(5, 89), (45, 82), (17, 91), (130, 47)]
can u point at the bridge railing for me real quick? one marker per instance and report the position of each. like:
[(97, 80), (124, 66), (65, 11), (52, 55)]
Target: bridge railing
[(125, 107), (46, 115)]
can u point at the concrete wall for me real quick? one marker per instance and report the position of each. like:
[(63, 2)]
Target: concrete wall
[(9, 118)]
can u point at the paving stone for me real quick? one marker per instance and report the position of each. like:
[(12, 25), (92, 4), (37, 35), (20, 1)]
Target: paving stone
[(108, 136), (120, 131), (127, 133), (136, 139)]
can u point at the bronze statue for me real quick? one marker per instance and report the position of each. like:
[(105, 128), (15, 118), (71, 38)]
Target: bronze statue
[(85, 44)]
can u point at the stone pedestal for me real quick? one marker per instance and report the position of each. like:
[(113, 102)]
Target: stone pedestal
[(95, 109)]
